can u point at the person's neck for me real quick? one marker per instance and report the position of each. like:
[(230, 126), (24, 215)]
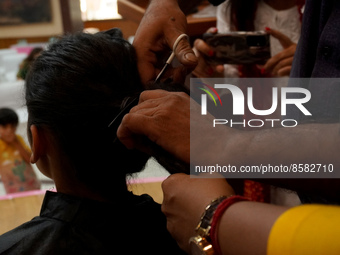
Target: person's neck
[(281, 5), (68, 183), (84, 191)]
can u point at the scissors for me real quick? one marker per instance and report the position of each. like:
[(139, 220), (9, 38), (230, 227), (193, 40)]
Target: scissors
[(130, 102), (172, 56)]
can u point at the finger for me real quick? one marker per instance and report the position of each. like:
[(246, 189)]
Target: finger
[(183, 51), (283, 63), (283, 39), (203, 47), (272, 62), (150, 104), (152, 94), (286, 53), (151, 99), (220, 68), (176, 26), (170, 181), (284, 71), (160, 94), (185, 54), (132, 126), (212, 30)]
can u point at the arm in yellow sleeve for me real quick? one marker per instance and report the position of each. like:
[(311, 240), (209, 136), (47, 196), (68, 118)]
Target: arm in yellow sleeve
[(24, 144), (307, 229)]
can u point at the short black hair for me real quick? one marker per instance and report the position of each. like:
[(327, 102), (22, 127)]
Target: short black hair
[(75, 89), (8, 116)]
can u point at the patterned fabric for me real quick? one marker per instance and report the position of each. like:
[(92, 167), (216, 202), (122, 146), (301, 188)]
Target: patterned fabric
[(256, 191), (16, 174)]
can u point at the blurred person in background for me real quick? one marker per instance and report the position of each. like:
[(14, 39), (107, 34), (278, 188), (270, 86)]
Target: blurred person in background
[(16, 171), (282, 20)]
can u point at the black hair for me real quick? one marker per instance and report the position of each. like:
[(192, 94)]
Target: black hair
[(8, 116), (75, 89)]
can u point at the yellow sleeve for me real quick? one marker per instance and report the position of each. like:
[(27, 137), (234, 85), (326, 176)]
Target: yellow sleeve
[(306, 230), (22, 142)]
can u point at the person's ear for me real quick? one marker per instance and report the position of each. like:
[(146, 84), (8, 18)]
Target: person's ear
[(38, 144)]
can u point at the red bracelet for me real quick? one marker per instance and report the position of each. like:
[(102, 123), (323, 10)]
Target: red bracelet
[(222, 207)]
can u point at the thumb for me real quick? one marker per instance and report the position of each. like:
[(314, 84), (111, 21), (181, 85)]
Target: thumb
[(185, 54), (283, 39)]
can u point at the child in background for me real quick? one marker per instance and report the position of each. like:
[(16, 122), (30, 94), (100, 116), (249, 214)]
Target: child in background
[(16, 172)]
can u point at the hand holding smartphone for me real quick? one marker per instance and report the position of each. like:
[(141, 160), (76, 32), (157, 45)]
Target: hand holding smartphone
[(239, 47)]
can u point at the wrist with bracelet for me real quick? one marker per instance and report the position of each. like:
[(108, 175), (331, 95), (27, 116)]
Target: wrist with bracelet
[(206, 240)]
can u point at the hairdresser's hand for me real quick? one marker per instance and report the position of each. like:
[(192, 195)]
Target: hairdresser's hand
[(203, 51), (184, 202), (165, 118), (281, 63), (162, 23)]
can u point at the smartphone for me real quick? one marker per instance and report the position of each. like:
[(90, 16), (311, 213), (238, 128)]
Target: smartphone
[(239, 47)]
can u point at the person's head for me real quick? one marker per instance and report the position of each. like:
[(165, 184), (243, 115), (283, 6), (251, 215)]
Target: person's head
[(74, 90), (8, 123)]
